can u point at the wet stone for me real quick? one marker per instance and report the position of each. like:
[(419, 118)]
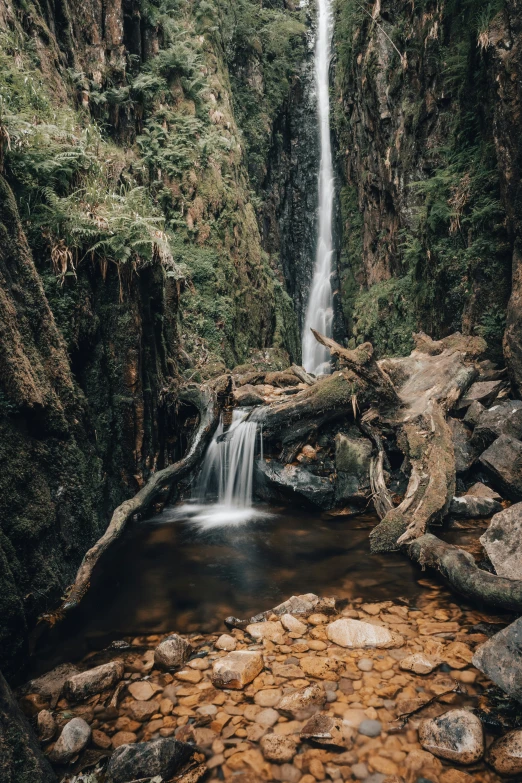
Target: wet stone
[(237, 669), (172, 653), (354, 633), (268, 698), (161, 757), (505, 754), (326, 729), (292, 624), (226, 642), (303, 703), (45, 725), (370, 728), (277, 748), (88, 683), (143, 710), (75, 736), (419, 663), (456, 736), (142, 691)]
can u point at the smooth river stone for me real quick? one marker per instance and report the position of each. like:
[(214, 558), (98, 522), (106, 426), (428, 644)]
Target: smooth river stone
[(456, 736), (277, 748), (273, 631), (354, 633), (81, 686), (302, 704), (418, 663), (172, 653), (142, 691), (293, 625), (75, 736), (237, 669), (505, 754), (226, 642)]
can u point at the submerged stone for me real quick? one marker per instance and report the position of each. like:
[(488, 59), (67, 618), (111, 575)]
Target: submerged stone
[(161, 757), (81, 686), (303, 703), (75, 736), (354, 633), (456, 736), (172, 653)]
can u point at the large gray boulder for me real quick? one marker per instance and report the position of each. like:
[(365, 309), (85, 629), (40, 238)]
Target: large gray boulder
[(277, 482), (503, 542), (469, 507), (161, 757), (500, 659), (503, 463), (502, 419)]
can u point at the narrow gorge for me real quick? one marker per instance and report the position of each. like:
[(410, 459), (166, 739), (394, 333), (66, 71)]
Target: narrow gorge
[(260, 391)]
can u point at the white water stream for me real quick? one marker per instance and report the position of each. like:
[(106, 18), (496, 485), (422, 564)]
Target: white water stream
[(319, 312), (224, 491)]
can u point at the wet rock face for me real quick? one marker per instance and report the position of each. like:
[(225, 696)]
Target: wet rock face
[(503, 542), (500, 658), (457, 736), (74, 738), (172, 653), (503, 462), (502, 419), (352, 465), (275, 481), (81, 686), (162, 757), (505, 754)]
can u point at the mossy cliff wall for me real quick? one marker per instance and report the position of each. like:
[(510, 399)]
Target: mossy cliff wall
[(427, 101), (135, 160)]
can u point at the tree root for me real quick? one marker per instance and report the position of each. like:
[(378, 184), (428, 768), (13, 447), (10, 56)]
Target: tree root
[(207, 400), (460, 572)]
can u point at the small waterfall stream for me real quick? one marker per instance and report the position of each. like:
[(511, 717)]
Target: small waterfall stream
[(319, 313), (224, 491)]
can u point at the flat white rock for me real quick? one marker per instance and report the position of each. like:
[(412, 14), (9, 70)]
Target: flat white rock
[(354, 633)]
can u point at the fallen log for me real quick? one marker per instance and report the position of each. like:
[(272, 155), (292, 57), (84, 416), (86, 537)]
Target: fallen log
[(207, 400), (461, 573)]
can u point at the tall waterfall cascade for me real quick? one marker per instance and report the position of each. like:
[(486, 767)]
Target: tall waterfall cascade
[(319, 312)]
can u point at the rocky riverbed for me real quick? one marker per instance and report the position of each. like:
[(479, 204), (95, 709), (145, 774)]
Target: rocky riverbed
[(315, 690)]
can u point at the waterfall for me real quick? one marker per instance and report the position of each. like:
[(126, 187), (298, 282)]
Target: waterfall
[(229, 464), (319, 312), (224, 491)]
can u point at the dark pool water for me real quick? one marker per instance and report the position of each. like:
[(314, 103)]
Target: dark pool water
[(172, 574)]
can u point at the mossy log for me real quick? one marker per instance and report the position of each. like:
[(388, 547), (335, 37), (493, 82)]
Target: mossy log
[(460, 572), (208, 401)]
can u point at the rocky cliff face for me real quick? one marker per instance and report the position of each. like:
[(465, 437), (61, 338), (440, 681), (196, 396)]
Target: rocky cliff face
[(427, 97), (131, 252)]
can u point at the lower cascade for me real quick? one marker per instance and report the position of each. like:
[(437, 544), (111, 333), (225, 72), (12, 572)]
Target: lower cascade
[(224, 491)]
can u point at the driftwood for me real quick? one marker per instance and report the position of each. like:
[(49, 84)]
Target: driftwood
[(381, 497), (431, 380), (303, 376), (207, 400), (460, 572)]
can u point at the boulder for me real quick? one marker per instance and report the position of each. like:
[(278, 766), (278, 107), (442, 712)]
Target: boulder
[(328, 730), (469, 507), (505, 754), (75, 736), (247, 395), (500, 659), (81, 686), (354, 633), (352, 465), (161, 758), (172, 653), (473, 414), (277, 482), (503, 463), (50, 685), (237, 669), (456, 736), (502, 419), (503, 542), (465, 452), (482, 391), (277, 748), (303, 703), (480, 490)]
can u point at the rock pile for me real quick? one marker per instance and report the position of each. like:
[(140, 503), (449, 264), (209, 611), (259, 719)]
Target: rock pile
[(374, 692)]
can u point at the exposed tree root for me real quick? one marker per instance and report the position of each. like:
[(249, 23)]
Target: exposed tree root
[(460, 572), (207, 400)]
